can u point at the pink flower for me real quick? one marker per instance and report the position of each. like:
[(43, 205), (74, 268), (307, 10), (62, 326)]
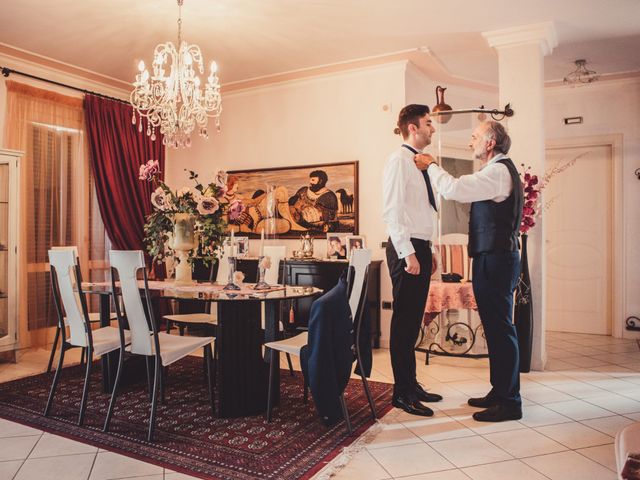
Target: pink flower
[(160, 200), (149, 170), (236, 208), (220, 179), (266, 263), (207, 205)]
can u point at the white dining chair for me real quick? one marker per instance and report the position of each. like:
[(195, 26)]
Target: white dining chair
[(357, 284), (146, 339), (210, 315), (94, 317), (71, 307)]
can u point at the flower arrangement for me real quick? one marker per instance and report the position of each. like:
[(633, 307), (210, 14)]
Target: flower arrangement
[(532, 207), (205, 202)]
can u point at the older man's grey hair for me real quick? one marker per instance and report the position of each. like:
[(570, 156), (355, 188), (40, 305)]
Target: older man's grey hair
[(497, 132)]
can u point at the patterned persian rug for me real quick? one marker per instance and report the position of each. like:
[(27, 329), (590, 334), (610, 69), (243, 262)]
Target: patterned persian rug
[(188, 439)]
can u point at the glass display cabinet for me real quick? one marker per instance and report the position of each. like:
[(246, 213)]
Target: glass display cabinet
[(8, 253)]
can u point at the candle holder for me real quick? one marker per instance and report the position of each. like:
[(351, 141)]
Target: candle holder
[(231, 284), (261, 285)]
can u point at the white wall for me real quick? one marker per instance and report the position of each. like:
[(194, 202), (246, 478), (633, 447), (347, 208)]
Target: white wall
[(609, 108), (337, 118)]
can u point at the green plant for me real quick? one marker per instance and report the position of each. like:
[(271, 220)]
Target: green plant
[(205, 202)]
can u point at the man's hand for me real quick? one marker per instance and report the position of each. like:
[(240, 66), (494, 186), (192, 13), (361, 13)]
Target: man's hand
[(413, 266), (423, 160)]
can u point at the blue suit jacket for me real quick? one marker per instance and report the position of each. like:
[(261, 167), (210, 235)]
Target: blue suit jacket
[(328, 356)]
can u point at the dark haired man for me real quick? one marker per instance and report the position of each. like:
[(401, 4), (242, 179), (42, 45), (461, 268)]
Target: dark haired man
[(315, 207), (496, 212), (408, 211)]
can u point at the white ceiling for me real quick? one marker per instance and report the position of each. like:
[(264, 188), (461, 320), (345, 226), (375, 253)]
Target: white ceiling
[(255, 38)]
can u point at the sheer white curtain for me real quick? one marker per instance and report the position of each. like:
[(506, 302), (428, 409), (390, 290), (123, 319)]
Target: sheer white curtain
[(56, 201)]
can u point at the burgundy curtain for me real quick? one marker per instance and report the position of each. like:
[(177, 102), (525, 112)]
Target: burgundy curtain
[(117, 150)]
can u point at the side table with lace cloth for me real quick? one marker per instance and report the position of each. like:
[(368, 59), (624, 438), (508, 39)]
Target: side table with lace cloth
[(450, 327)]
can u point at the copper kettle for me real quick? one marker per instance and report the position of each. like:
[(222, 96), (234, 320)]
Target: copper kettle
[(441, 106)]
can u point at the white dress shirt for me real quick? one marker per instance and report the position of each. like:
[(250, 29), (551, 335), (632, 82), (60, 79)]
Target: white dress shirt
[(491, 182), (405, 202)]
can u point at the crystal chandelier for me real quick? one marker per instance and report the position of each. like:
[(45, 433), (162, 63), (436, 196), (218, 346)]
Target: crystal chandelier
[(581, 74), (174, 103)]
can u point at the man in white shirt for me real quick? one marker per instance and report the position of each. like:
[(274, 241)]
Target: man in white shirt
[(408, 212), (496, 197)]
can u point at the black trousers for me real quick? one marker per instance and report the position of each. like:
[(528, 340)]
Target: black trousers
[(495, 276), (409, 299)]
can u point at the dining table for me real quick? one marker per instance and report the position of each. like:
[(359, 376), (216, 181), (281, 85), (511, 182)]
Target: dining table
[(242, 367)]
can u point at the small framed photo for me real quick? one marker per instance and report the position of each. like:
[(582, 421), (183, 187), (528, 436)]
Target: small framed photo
[(242, 246), (355, 242), (337, 246)]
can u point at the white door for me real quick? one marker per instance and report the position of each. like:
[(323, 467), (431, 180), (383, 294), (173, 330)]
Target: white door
[(578, 236)]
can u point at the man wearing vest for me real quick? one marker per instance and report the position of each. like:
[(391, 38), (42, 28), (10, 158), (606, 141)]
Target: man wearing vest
[(496, 211), (409, 212)]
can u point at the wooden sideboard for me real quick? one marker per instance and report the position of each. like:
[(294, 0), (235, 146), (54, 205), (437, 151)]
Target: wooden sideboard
[(323, 274)]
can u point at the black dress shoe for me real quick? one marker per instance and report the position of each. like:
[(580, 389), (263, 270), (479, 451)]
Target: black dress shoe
[(411, 405), (487, 401), (425, 396), (498, 413)]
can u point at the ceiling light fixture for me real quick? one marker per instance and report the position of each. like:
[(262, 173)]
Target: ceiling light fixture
[(581, 74), (173, 102)]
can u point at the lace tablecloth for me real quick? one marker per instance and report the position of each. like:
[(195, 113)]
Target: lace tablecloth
[(446, 296)]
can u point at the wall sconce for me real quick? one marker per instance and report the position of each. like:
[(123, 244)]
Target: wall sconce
[(637, 172)]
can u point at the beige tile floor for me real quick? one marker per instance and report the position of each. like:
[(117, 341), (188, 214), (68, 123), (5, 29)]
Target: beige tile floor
[(572, 411)]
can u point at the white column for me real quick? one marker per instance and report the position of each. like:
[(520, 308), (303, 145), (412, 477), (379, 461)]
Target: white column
[(521, 52)]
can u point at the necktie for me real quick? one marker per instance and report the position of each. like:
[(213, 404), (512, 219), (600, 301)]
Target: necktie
[(425, 174)]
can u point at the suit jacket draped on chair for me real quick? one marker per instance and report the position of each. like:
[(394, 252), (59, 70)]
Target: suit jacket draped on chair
[(327, 358)]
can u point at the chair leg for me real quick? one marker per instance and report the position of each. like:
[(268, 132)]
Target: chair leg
[(82, 355), (163, 380), (208, 355), (53, 349), (272, 368), (169, 324), (365, 382), (345, 413), (112, 402), (85, 389), (181, 329), (154, 400), (149, 379), (56, 378), (290, 365), (367, 391), (215, 363)]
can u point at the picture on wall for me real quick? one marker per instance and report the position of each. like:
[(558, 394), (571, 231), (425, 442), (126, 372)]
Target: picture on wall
[(289, 201)]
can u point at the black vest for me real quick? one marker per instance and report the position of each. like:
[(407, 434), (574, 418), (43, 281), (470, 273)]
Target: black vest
[(494, 227)]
